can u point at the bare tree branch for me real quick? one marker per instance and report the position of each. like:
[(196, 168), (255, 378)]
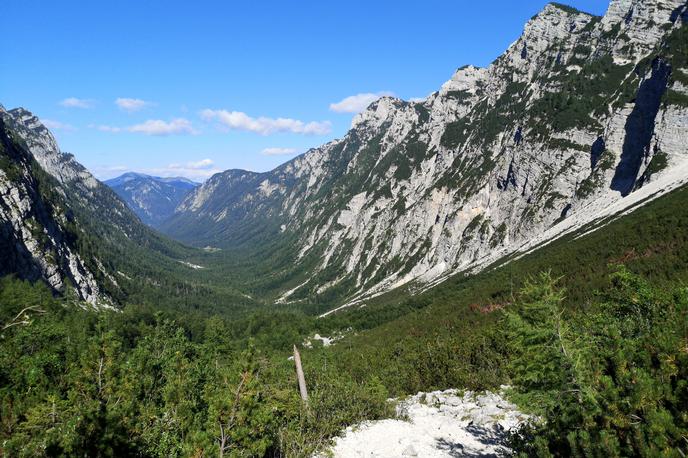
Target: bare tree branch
[(232, 418), (23, 317)]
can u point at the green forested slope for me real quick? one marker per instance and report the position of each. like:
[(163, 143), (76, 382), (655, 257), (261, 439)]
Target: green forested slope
[(151, 383)]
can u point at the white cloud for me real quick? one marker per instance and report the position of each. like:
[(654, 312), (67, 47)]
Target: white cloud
[(110, 129), (178, 126), (200, 165), (278, 151), (238, 120), (199, 170), (160, 127), (357, 103), (417, 99), (57, 125), (73, 102), (131, 105)]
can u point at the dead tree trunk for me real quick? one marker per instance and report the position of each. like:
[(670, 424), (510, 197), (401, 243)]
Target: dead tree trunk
[(299, 376)]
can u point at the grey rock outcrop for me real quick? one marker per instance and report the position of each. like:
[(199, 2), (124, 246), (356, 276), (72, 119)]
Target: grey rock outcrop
[(436, 424), (36, 237)]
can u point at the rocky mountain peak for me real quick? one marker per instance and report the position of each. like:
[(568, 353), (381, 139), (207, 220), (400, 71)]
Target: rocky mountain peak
[(45, 150), (555, 22), (378, 111), (129, 176), (618, 11), (27, 121), (464, 79), (152, 198), (626, 12), (549, 35), (554, 16)]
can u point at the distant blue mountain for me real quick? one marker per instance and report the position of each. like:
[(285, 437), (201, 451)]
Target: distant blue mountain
[(152, 198)]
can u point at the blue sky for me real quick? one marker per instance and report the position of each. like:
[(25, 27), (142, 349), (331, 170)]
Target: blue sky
[(189, 88)]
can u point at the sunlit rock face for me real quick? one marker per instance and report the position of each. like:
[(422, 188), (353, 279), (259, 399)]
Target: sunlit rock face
[(42, 145), (36, 242), (578, 113)]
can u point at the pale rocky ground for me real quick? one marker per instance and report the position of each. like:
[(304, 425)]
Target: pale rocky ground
[(437, 424), (325, 340)]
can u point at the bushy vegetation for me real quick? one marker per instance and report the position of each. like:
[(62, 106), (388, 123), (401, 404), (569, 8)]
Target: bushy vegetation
[(140, 383), (608, 381)]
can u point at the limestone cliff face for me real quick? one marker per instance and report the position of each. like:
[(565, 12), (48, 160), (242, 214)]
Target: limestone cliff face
[(43, 147), (579, 114), (37, 238)]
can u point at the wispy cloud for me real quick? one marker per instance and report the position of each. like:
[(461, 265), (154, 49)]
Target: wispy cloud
[(117, 168), (157, 127), (238, 120), (131, 105), (357, 103), (102, 128), (73, 102), (105, 172), (417, 99), (57, 125), (278, 151), (198, 170), (201, 165)]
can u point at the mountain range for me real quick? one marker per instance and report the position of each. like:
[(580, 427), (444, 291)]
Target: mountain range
[(581, 119), (152, 198)]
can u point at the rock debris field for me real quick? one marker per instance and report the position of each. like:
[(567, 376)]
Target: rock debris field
[(438, 424)]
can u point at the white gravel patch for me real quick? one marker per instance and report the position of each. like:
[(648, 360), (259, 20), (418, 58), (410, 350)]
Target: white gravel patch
[(192, 266), (437, 424)]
